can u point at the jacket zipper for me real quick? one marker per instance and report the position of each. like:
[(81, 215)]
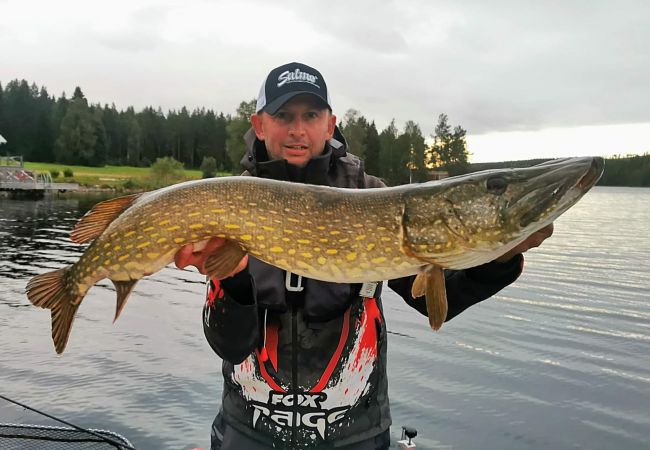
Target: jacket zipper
[(294, 373)]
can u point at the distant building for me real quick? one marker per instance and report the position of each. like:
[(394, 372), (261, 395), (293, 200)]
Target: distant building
[(438, 174)]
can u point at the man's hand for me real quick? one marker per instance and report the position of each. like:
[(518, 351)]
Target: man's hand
[(196, 254), (534, 240)]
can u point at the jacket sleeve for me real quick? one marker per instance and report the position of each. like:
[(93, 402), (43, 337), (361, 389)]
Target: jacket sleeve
[(230, 318), (465, 287)]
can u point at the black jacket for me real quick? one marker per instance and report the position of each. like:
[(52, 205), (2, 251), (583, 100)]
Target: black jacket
[(307, 368)]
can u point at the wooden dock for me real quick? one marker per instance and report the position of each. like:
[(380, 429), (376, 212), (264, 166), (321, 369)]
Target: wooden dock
[(18, 181)]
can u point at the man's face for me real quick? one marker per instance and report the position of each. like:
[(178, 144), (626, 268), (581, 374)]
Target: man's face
[(297, 132)]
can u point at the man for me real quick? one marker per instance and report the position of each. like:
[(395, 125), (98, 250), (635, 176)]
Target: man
[(304, 361)]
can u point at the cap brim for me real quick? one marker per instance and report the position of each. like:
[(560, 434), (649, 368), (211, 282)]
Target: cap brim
[(276, 104)]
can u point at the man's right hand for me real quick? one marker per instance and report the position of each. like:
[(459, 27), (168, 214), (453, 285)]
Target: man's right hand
[(197, 253)]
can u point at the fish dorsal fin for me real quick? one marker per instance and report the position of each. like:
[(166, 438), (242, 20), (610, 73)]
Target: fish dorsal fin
[(123, 289), (431, 283), (99, 217), (222, 262)]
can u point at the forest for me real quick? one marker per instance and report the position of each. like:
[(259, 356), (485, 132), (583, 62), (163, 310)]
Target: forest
[(71, 130)]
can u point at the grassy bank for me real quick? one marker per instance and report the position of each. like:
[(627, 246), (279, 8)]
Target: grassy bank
[(107, 177)]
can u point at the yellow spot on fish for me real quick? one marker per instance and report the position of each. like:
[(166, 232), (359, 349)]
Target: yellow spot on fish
[(218, 211), (307, 255), (370, 247), (243, 211), (379, 260), (161, 240), (357, 225), (317, 249), (123, 257), (107, 262), (194, 214), (306, 230), (246, 237), (148, 229), (267, 228), (291, 219), (344, 240), (386, 239), (287, 231), (303, 241), (292, 251), (260, 237), (361, 237), (144, 244), (321, 260), (115, 267), (174, 228), (351, 256), (130, 233), (320, 227), (106, 245), (323, 240), (179, 240), (286, 239), (133, 265), (138, 255), (95, 258), (334, 232), (381, 228), (117, 247), (130, 246), (163, 222), (196, 226), (153, 255), (232, 226), (276, 249), (250, 224), (331, 251)]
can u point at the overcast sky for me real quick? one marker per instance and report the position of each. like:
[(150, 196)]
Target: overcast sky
[(523, 78)]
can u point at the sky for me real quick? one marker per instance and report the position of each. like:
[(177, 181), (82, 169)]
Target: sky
[(525, 79)]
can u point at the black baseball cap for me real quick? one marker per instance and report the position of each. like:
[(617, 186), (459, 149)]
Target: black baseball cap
[(285, 82)]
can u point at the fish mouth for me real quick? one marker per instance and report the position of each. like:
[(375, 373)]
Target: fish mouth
[(555, 191), (593, 174)]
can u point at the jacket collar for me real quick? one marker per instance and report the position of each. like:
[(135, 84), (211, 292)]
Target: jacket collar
[(256, 161)]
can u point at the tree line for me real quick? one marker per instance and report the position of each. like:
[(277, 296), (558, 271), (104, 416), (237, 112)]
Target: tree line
[(44, 128)]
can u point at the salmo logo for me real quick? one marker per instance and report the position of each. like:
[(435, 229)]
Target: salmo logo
[(308, 408), (297, 77)]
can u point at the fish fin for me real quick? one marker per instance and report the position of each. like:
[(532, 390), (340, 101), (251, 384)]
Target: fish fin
[(99, 217), (436, 293), (52, 291), (418, 289), (123, 289), (221, 264)]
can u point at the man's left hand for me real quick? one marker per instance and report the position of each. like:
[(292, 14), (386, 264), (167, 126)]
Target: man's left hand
[(534, 240)]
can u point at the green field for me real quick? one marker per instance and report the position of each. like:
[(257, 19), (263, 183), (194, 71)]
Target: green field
[(107, 177)]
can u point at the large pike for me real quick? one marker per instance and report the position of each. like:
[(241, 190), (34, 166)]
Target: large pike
[(331, 234)]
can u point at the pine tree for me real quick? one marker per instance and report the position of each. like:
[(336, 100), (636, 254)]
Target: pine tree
[(373, 149), (77, 138), (236, 128)]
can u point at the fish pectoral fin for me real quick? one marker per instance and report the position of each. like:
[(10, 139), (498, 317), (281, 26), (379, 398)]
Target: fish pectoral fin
[(99, 217), (431, 282), (123, 290), (419, 287), (224, 261)]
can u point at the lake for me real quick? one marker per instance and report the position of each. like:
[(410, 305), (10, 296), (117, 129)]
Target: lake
[(560, 359)]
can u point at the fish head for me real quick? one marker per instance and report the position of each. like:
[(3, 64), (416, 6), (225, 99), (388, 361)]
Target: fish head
[(492, 211)]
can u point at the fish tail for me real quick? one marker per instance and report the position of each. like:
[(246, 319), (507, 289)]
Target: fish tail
[(54, 291)]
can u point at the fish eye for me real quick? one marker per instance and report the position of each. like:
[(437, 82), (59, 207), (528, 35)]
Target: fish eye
[(496, 185)]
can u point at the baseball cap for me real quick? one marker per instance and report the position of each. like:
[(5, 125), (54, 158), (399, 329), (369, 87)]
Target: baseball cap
[(285, 82)]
